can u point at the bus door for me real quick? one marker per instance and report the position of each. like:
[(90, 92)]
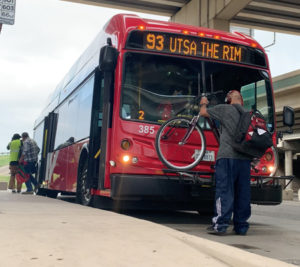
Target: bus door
[(95, 131), (50, 124)]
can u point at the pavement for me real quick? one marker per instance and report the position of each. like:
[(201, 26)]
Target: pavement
[(39, 231), (4, 170)]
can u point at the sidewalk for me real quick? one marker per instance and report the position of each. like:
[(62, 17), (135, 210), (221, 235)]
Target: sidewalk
[(38, 231)]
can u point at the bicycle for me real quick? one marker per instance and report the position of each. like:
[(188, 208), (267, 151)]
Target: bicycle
[(178, 137), (176, 140)]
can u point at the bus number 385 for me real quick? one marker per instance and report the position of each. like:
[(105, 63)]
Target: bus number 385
[(144, 129)]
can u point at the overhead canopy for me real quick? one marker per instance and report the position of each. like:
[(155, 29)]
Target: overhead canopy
[(274, 15), (158, 7)]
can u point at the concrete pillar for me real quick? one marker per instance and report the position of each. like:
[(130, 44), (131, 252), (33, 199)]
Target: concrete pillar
[(202, 13), (219, 24), (288, 193), (288, 164)]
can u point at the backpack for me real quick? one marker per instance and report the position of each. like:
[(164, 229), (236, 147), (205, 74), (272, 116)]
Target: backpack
[(251, 136)]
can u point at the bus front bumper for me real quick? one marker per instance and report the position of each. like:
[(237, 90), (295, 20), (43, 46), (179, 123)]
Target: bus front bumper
[(174, 189)]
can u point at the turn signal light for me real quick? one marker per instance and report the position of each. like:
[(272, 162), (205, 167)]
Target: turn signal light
[(268, 156), (125, 144)]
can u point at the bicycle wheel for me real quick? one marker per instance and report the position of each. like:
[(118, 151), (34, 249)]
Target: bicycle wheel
[(170, 149)]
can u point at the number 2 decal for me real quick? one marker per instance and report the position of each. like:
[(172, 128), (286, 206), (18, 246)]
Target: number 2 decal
[(142, 113)]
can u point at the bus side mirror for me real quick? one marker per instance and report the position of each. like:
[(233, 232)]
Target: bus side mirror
[(288, 116), (108, 58)]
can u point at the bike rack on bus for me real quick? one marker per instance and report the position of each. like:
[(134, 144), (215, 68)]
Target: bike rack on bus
[(201, 178), (273, 180), (208, 178)]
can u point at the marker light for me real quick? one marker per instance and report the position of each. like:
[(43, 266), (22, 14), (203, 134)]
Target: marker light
[(268, 156), (254, 45), (112, 163), (125, 144), (264, 169), (141, 27), (217, 37), (201, 34), (125, 158), (185, 32)]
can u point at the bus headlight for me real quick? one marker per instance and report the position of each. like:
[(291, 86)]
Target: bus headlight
[(271, 169), (273, 157), (125, 158)]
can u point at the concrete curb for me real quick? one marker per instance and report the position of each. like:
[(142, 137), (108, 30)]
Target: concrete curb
[(38, 231), (233, 256)]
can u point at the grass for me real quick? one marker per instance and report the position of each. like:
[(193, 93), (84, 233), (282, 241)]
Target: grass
[(4, 178), (4, 160)]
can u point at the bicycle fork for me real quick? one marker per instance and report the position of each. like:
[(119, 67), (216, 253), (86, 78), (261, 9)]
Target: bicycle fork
[(192, 125)]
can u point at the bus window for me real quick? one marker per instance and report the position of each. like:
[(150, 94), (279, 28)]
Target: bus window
[(84, 111), (74, 116), (38, 135), (156, 88), (256, 98)]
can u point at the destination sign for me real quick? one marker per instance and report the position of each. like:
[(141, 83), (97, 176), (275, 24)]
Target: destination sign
[(196, 47)]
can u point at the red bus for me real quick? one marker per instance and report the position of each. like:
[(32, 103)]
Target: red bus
[(97, 132)]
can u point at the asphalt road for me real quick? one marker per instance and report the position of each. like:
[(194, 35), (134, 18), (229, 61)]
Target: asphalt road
[(274, 230)]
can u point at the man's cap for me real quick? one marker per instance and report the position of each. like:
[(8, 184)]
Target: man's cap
[(25, 135)]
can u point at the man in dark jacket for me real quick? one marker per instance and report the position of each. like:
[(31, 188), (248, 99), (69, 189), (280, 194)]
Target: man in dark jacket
[(29, 158), (232, 169)]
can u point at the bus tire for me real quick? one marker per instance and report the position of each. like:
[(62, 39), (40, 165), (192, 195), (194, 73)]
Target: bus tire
[(41, 192), (83, 193), (51, 193)]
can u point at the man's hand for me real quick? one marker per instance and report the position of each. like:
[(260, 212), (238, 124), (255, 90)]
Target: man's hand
[(21, 160), (204, 101)]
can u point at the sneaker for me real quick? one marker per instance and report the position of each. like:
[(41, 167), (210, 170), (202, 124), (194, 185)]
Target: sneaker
[(240, 232), (27, 193), (211, 230), (36, 188)]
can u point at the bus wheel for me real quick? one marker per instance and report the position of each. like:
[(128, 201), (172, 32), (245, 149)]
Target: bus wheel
[(51, 194), (83, 194), (41, 192)]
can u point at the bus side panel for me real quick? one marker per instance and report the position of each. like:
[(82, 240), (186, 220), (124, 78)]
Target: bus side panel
[(58, 169), (73, 162), (107, 182), (73, 159)]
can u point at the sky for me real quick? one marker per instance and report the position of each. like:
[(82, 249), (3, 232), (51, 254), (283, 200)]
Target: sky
[(47, 38)]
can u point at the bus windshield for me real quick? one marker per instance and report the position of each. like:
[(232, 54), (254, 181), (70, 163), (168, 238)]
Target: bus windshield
[(156, 88)]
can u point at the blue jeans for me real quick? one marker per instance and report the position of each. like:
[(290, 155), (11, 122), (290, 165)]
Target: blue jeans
[(233, 195), (30, 169)]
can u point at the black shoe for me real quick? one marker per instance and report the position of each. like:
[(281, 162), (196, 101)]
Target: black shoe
[(240, 233), (27, 193), (14, 191), (212, 231)]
